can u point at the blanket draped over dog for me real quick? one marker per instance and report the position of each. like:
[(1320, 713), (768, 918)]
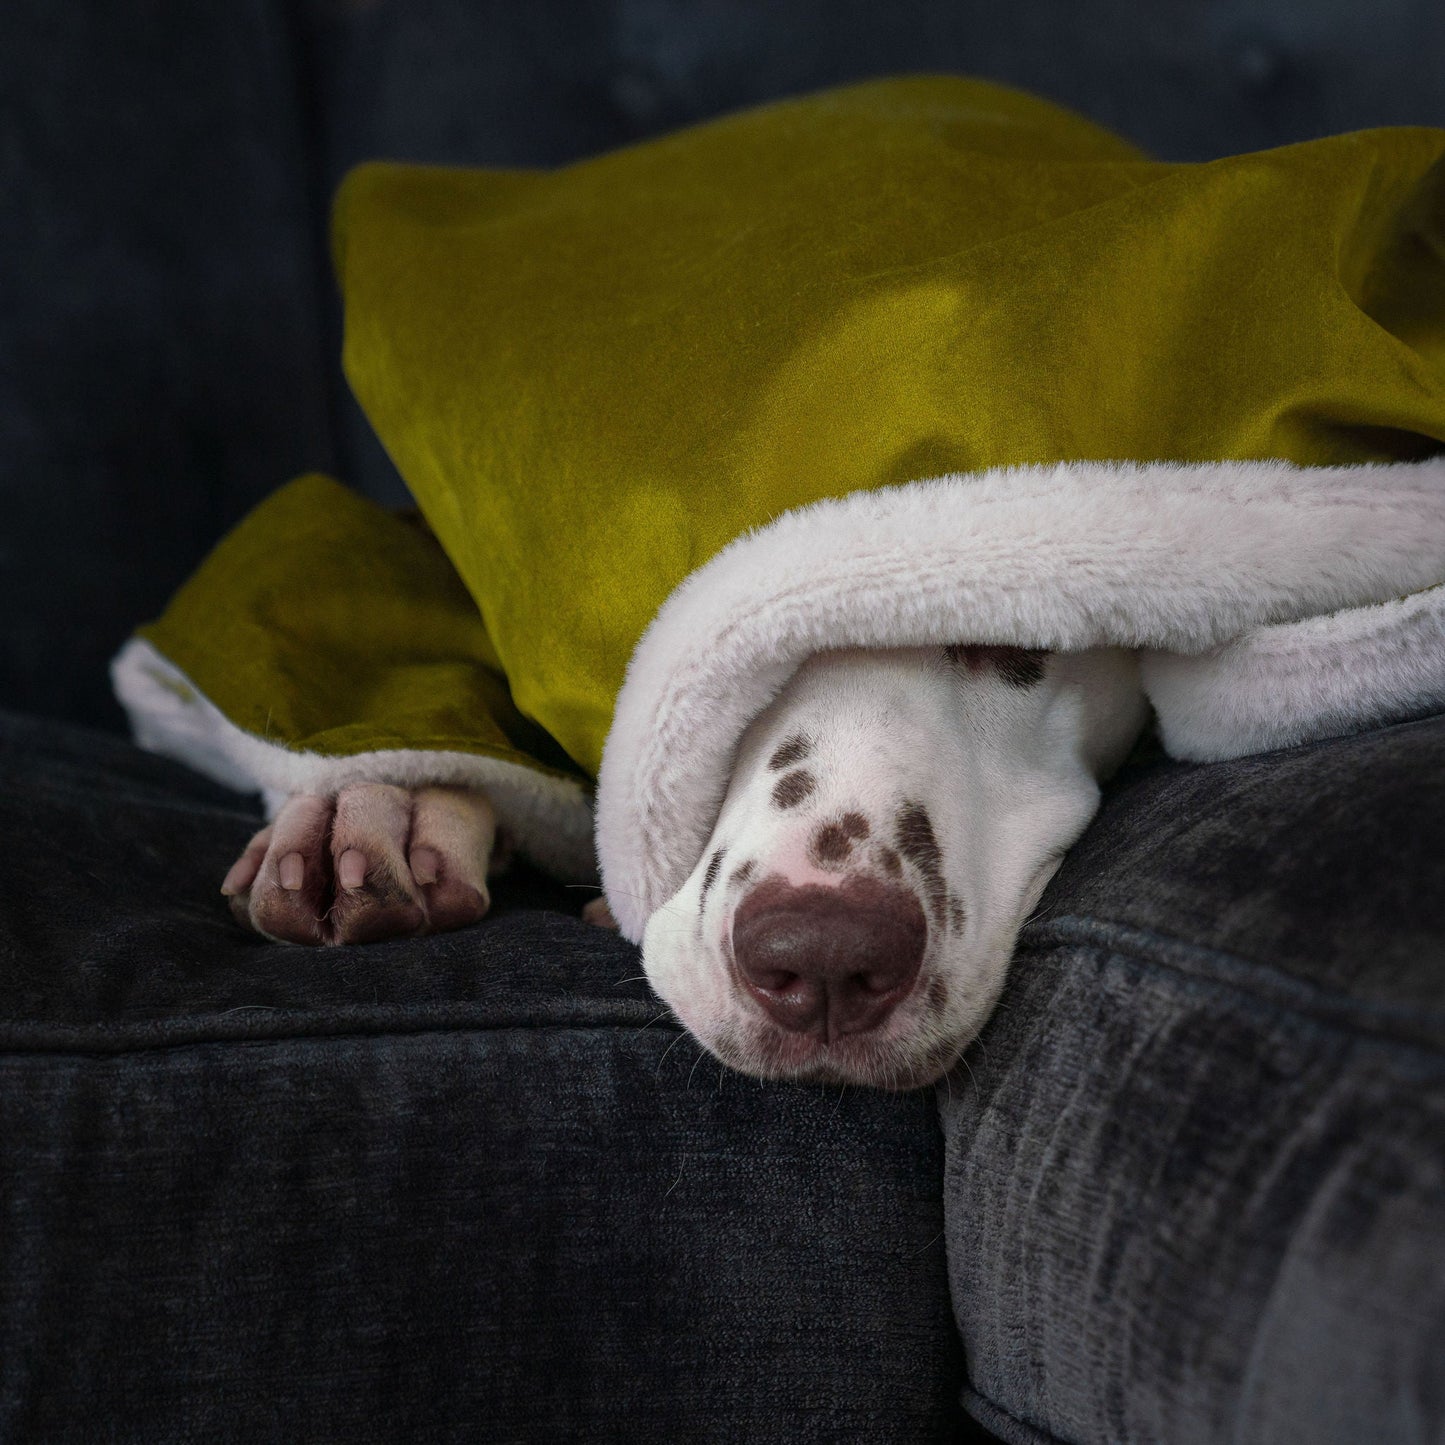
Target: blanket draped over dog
[(918, 361)]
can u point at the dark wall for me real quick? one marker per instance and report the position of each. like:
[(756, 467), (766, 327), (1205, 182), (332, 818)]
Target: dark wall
[(168, 332)]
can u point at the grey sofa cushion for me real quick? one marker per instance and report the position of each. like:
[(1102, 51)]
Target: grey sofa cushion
[(471, 1187), (1196, 1177)]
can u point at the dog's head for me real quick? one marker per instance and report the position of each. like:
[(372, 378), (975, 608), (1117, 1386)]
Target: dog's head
[(891, 821)]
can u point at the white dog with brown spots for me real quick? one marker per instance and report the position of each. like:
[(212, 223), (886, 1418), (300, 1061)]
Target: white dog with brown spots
[(825, 834), (892, 819)]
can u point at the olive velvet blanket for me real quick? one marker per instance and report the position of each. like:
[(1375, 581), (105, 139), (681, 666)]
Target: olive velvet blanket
[(918, 361)]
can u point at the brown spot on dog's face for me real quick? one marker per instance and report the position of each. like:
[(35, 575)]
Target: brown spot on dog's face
[(714, 866), (743, 872), (831, 845), (1021, 667), (791, 750), (792, 788), (915, 839), (957, 917), (890, 860), (914, 836)]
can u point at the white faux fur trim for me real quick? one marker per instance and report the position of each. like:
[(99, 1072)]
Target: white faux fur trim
[(1278, 686), (549, 818), (1220, 561)]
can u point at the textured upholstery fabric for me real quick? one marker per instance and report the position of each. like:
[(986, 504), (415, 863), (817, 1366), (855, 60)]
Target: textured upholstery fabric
[(463, 1188), (1196, 1178), (162, 363), (159, 373)]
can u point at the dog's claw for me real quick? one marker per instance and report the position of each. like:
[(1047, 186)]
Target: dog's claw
[(425, 865), (292, 872), (351, 869)]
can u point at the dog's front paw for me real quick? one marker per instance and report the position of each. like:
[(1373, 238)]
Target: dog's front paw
[(375, 861)]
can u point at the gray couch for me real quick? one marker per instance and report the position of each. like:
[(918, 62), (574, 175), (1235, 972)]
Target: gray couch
[(1190, 1184)]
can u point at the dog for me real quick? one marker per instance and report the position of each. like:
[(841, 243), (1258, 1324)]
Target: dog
[(892, 819)]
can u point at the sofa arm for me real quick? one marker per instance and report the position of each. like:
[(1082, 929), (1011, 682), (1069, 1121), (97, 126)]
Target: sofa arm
[(1196, 1185)]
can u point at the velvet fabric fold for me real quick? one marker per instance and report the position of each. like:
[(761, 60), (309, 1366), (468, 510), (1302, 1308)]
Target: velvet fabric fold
[(597, 380), (594, 379)]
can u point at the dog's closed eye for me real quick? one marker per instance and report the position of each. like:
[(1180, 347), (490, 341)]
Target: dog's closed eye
[(832, 844), (1021, 667)]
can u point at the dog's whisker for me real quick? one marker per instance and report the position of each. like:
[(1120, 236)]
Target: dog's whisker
[(666, 1052), (597, 888)]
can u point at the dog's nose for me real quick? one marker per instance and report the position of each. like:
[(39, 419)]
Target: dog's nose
[(828, 960)]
